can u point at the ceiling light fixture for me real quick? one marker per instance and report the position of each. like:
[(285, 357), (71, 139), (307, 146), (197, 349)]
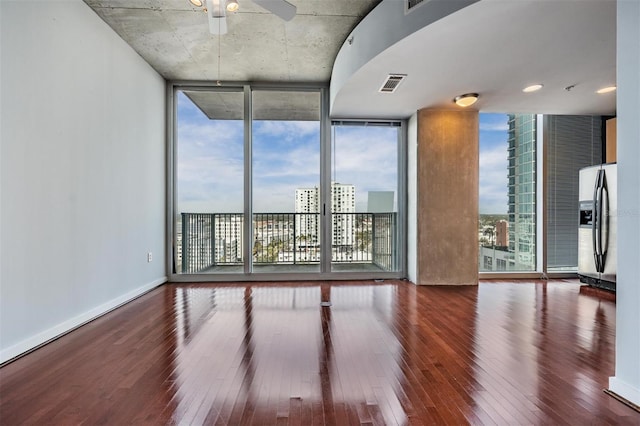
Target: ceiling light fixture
[(196, 3), (532, 88), (466, 100), (232, 6), (607, 89)]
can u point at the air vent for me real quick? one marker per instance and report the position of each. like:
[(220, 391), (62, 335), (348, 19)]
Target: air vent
[(392, 82), (409, 5)]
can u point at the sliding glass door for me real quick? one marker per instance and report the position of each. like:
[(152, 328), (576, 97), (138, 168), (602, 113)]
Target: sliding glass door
[(286, 181), (364, 196)]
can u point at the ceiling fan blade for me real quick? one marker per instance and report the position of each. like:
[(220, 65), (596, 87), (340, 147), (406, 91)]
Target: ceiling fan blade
[(281, 8), (217, 17)]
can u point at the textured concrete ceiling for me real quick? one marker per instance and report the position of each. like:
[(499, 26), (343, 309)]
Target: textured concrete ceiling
[(173, 37)]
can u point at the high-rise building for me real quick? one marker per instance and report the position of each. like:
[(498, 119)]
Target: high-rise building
[(307, 208), (211, 238), (307, 200), (522, 191), (228, 238), (502, 233), (343, 200)]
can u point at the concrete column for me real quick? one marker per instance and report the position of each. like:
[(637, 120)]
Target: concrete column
[(626, 382), (447, 197)]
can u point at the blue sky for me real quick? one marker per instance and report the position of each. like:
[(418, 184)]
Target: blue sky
[(493, 163), (286, 156)]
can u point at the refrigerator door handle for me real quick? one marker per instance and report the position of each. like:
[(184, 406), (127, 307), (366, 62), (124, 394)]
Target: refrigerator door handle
[(604, 222), (599, 264), (596, 224)]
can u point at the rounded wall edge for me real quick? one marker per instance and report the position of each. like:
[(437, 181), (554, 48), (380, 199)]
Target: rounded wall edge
[(387, 24)]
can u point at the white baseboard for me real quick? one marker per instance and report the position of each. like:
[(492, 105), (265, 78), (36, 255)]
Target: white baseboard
[(75, 322), (625, 390)]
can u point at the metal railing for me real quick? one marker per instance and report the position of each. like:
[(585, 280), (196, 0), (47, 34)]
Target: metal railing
[(216, 239)]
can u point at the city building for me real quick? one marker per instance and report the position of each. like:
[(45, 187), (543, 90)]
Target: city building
[(229, 231), (502, 233), (495, 259), (522, 143), (307, 208), (343, 208), (343, 203), (212, 239)]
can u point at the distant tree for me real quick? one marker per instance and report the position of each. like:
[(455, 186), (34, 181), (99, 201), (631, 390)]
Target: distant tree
[(363, 239), (489, 233), (258, 250)]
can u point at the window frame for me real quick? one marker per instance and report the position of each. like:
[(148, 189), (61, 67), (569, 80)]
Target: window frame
[(325, 181)]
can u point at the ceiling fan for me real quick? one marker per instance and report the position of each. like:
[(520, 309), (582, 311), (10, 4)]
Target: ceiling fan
[(217, 11)]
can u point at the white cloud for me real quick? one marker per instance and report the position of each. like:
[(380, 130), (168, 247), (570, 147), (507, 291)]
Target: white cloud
[(277, 174), (302, 160), (494, 123), (278, 198), (493, 191), (210, 168), (367, 159), (289, 130), (494, 127)]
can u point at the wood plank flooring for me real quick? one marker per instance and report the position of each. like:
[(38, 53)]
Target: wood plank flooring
[(502, 353)]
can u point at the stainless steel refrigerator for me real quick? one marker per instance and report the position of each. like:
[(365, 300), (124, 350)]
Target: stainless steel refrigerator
[(597, 234)]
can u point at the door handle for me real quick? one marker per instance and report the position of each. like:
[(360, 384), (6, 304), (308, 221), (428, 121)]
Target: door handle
[(604, 223), (598, 222), (594, 223)]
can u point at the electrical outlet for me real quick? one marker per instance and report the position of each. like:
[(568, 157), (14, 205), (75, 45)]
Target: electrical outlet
[(149, 257)]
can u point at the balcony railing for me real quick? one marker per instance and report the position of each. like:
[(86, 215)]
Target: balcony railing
[(211, 240)]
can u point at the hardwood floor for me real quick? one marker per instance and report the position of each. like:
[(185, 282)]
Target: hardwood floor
[(382, 353)]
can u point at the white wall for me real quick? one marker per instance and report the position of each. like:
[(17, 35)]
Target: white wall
[(82, 171), (412, 199), (627, 379)]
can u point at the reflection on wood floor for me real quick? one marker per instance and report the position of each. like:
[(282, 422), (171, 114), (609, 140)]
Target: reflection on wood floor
[(383, 353)]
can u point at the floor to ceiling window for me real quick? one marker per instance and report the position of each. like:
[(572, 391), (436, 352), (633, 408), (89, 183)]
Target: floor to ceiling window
[(364, 196), (507, 222), (286, 181), (510, 191), (263, 184), (209, 170)]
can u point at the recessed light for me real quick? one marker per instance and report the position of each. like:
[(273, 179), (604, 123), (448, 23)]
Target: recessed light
[(197, 3), (466, 100), (532, 88), (607, 89), (232, 6)]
